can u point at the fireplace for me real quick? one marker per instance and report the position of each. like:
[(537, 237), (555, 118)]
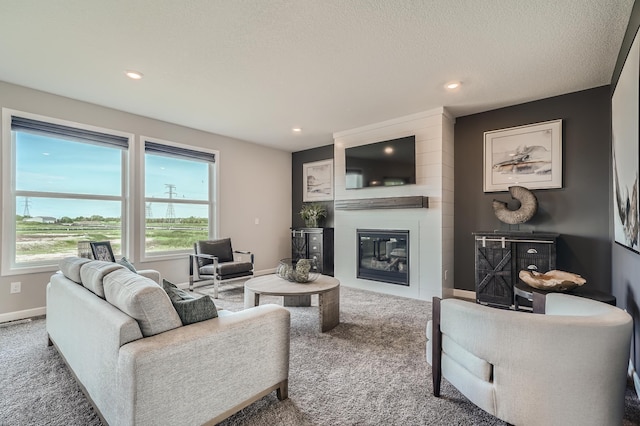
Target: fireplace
[(383, 255)]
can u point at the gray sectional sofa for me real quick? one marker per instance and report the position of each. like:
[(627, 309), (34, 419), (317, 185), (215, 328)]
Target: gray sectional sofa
[(122, 338)]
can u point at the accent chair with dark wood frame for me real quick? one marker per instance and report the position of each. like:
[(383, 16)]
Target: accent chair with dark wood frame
[(566, 366), (215, 261)]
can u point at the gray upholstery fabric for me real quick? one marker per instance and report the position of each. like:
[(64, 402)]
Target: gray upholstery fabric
[(70, 267), (152, 274), (142, 299), (474, 365), (220, 248), (133, 379), (93, 273), (566, 367), (238, 356), (91, 345), (227, 269), (190, 309)]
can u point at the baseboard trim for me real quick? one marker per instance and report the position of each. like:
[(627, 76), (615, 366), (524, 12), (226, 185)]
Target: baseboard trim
[(464, 294), (18, 315)]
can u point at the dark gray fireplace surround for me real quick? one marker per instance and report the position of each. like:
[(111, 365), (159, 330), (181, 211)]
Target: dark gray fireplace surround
[(383, 255)]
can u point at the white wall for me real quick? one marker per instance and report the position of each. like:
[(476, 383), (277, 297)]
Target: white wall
[(430, 229), (255, 182)]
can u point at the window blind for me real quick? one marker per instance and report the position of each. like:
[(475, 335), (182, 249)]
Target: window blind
[(66, 132), (173, 151)]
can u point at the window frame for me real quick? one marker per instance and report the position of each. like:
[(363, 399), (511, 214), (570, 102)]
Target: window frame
[(9, 266), (212, 202)]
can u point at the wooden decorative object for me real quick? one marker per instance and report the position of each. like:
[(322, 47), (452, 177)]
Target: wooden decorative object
[(528, 206), (406, 202), (553, 280)]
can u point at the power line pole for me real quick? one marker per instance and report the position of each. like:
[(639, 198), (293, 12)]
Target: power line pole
[(171, 214), (26, 207), (149, 212)]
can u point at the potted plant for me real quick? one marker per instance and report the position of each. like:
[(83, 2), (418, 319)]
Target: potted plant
[(311, 213)]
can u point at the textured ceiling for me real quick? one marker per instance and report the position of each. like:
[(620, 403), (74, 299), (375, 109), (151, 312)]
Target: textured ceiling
[(253, 69)]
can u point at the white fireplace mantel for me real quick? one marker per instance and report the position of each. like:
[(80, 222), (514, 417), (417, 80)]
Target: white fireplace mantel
[(430, 229)]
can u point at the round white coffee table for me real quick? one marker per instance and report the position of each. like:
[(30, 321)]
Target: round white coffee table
[(295, 294)]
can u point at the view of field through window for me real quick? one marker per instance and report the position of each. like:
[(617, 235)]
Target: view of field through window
[(69, 191)]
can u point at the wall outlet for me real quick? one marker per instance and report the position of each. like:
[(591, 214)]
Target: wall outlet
[(16, 287), (446, 272), (257, 221)]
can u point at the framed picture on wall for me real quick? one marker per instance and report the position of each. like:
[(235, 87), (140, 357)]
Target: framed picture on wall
[(626, 152), (317, 181), (529, 156)]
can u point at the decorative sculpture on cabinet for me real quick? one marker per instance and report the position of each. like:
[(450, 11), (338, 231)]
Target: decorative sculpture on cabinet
[(528, 206)]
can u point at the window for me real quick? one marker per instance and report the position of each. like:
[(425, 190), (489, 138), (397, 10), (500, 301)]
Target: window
[(179, 197), (66, 183)]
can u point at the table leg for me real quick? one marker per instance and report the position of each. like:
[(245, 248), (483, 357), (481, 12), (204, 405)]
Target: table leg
[(251, 298), (329, 309), (304, 300), (539, 302)]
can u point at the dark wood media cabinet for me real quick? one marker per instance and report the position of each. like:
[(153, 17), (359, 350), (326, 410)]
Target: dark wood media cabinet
[(314, 243), (499, 257)]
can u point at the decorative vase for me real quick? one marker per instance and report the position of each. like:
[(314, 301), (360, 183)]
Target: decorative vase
[(297, 271), (311, 223)]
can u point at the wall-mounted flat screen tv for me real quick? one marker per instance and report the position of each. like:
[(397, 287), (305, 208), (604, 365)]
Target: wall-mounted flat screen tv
[(386, 163)]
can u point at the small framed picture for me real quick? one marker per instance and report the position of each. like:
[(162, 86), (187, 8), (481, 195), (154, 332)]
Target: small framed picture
[(102, 251), (529, 156), (317, 181)]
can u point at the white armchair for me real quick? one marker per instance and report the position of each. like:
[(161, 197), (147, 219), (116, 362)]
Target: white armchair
[(566, 367)]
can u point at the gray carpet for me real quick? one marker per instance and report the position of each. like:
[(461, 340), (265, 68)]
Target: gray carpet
[(369, 370)]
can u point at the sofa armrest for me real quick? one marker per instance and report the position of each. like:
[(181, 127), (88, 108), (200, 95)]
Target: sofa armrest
[(206, 369), (151, 274)]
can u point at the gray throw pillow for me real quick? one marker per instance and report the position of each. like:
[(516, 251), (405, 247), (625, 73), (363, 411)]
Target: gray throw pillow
[(125, 262), (190, 309)]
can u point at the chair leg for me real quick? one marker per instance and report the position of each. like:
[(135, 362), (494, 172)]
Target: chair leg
[(216, 284), (436, 346)]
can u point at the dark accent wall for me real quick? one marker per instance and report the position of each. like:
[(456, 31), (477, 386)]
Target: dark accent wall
[(579, 211), (297, 160), (625, 264)]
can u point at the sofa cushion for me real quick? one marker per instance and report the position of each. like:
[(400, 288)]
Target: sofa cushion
[(190, 309), (125, 262), (70, 267), (228, 269), (142, 299), (93, 273)]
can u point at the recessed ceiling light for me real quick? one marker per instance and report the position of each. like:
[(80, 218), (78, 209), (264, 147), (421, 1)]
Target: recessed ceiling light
[(388, 150), (452, 85), (297, 129), (134, 75)]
